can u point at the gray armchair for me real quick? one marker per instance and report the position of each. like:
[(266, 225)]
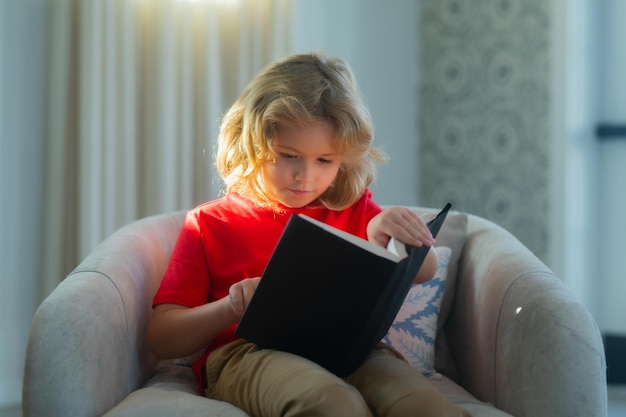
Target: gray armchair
[(513, 339)]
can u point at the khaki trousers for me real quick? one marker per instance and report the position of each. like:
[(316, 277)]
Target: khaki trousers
[(270, 383)]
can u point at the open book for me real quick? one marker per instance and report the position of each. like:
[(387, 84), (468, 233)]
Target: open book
[(330, 296)]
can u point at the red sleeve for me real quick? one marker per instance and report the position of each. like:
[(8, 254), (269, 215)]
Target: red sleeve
[(371, 207), (367, 209), (355, 218), (186, 279)]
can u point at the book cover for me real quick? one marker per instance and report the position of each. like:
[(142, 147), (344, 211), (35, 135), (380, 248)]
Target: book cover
[(329, 296)]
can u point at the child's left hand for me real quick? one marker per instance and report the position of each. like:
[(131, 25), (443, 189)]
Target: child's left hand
[(405, 225), (401, 223)]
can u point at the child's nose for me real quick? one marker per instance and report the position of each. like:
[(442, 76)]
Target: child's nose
[(303, 172)]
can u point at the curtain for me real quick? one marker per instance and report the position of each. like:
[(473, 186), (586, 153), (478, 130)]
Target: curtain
[(22, 30), (135, 93)]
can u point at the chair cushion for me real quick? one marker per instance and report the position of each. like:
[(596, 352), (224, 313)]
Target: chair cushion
[(414, 329), (459, 396), (452, 235), (172, 391)]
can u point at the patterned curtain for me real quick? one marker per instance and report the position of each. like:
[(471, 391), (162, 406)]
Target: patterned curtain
[(484, 112)]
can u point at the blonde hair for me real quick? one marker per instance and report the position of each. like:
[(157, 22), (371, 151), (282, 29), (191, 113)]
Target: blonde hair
[(297, 91)]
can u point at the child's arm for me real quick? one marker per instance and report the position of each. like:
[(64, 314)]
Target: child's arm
[(406, 226), (176, 331)]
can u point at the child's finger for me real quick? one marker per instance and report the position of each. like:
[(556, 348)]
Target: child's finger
[(236, 298), (415, 230)]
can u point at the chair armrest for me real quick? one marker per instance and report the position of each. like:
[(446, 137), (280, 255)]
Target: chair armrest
[(86, 349), (520, 338), (77, 359)]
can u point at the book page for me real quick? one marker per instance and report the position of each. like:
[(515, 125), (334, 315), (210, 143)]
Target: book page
[(396, 247), (357, 241)]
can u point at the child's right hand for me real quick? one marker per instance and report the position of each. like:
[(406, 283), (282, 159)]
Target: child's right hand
[(240, 294), (175, 331)]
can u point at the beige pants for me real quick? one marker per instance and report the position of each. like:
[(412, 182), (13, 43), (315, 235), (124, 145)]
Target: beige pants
[(269, 383)]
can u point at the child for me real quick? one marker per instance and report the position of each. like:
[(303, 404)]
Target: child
[(296, 141)]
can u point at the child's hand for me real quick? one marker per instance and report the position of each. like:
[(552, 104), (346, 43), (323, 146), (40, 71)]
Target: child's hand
[(401, 223), (406, 226), (240, 294)]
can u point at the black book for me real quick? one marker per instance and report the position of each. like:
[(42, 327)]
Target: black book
[(329, 296)]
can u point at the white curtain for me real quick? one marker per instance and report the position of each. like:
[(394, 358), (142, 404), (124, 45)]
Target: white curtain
[(135, 92), (22, 30)]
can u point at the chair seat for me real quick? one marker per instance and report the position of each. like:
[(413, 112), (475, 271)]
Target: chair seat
[(172, 390)]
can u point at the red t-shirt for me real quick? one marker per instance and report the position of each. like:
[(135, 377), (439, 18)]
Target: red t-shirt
[(229, 239)]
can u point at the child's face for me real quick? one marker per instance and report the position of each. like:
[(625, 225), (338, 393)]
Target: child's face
[(306, 164)]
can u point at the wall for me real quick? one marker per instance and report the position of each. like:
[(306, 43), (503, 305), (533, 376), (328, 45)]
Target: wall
[(22, 35), (378, 39)]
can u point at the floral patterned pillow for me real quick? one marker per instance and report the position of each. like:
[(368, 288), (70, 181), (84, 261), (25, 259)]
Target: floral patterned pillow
[(414, 329)]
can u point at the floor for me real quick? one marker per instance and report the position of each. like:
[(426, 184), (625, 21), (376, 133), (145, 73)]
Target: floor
[(617, 404)]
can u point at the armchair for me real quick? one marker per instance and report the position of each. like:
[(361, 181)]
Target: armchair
[(515, 340)]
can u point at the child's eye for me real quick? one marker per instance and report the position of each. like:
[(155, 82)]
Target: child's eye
[(325, 161), (288, 155)]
